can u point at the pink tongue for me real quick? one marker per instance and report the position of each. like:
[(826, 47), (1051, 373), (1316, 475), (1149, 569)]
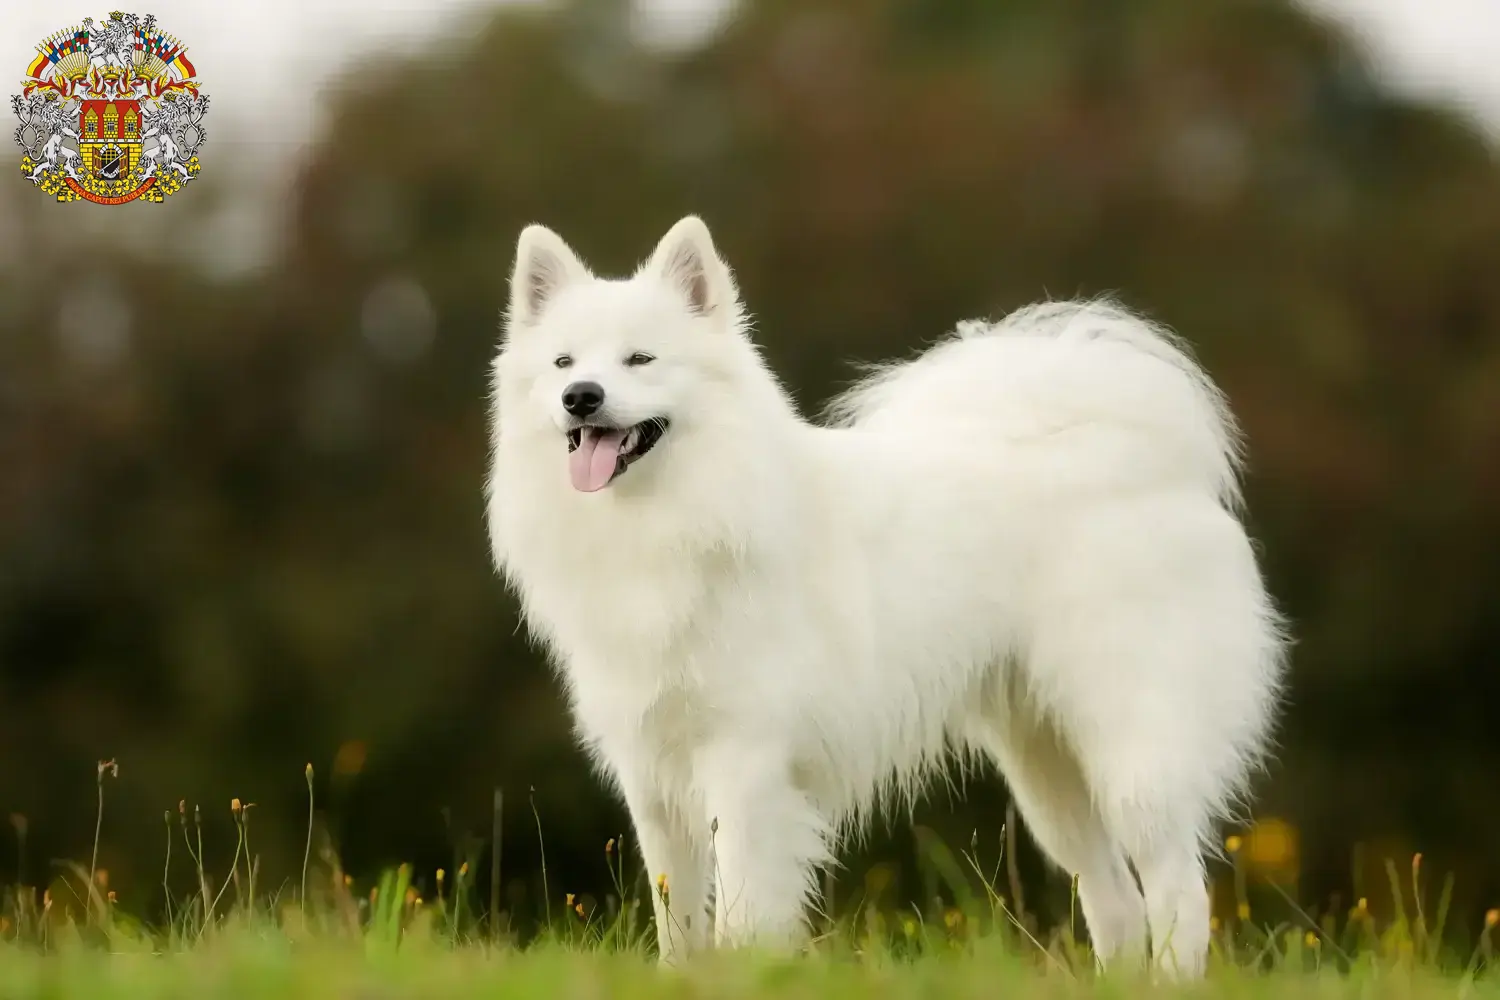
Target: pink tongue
[(592, 463)]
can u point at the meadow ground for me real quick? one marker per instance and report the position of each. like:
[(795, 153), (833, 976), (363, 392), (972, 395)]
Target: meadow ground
[(392, 945), (325, 936), (249, 966)]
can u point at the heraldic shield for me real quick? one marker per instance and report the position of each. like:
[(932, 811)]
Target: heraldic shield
[(111, 113)]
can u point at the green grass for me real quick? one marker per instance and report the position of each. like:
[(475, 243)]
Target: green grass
[(250, 963), (324, 936)]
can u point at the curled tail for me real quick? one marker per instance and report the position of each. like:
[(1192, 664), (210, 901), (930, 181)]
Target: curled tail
[(1074, 375)]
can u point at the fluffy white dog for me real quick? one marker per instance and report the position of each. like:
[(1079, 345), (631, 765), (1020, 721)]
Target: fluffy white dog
[(1021, 544)]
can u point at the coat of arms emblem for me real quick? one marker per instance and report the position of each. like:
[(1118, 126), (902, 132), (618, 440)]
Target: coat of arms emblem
[(110, 112)]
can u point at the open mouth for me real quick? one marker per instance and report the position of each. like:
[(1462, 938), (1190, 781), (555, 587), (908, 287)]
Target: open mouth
[(596, 455)]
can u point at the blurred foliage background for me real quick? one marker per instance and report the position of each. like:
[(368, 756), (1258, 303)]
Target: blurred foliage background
[(240, 518)]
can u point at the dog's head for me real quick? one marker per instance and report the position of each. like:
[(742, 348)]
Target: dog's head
[(610, 370)]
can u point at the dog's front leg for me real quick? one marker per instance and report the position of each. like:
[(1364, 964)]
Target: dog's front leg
[(768, 841), (676, 858)]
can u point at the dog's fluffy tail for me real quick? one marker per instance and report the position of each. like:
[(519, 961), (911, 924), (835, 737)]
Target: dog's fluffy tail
[(1068, 376)]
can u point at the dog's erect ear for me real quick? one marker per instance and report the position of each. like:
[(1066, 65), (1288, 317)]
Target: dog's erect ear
[(686, 258), (544, 265)]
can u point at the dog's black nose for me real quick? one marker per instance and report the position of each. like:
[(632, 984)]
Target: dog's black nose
[(583, 398)]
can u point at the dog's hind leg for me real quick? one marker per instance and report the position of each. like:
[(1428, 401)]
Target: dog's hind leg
[(1177, 903), (1148, 802), (1156, 775), (1159, 666), (1053, 799)]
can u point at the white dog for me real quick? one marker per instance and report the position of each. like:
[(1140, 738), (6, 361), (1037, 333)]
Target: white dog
[(1020, 544)]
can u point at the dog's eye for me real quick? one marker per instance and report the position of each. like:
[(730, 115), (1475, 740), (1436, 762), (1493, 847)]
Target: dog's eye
[(639, 358), (562, 361)]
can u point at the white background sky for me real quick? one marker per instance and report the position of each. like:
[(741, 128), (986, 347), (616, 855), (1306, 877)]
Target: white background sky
[(262, 59), (258, 58), (259, 55)]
